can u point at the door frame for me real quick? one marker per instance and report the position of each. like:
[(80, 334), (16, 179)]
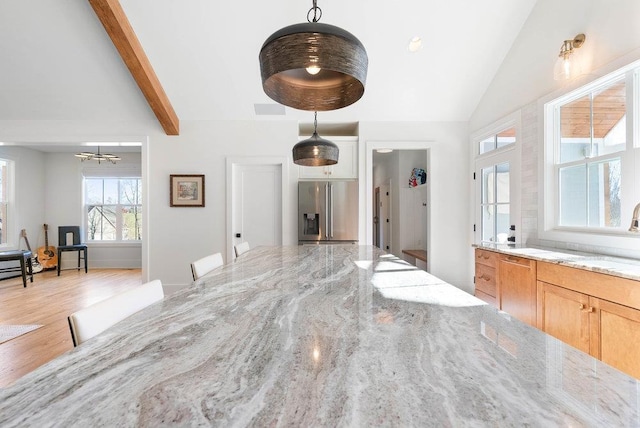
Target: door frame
[(231, 163)]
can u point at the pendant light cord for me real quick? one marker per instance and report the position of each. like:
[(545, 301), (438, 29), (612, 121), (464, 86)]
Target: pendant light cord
[(315, 122), (317, 12)]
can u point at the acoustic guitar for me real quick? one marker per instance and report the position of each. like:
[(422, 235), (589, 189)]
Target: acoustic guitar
[(47, 255), (35, 264)]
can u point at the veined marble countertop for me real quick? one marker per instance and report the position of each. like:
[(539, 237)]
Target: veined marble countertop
[(616, 266), (328, 335)]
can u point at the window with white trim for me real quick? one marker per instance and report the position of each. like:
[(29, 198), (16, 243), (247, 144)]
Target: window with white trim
[(590, 154), (6, 192), (495, 158), (113, 208)]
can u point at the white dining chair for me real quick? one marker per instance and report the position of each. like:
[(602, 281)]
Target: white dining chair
[(241, 248), (203, 266), (93, 320)]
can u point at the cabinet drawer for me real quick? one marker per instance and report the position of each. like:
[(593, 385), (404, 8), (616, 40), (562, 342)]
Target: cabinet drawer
[(488, 258), (486, 279), (619, 290), (520, 261)]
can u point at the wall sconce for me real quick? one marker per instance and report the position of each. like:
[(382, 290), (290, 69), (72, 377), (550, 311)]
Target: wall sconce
[(568, 65)]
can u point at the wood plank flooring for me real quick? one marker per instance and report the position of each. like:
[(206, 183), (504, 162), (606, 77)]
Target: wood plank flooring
[(49, 300)]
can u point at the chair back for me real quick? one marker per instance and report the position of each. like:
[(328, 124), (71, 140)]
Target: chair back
[(93, 320), (63, 231), (203, 266), (242, 248)]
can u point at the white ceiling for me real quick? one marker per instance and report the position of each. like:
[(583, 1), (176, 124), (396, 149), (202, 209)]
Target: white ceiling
[(59, 64)]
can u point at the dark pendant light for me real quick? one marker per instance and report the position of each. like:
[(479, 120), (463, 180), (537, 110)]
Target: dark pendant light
[(315, 151), (313, 66)]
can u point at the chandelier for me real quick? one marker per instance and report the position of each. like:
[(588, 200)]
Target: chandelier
[(100, 157)]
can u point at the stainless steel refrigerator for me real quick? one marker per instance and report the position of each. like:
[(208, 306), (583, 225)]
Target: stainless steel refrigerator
[(327, 211)]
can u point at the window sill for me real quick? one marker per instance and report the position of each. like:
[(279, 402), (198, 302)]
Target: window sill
[(114, 243), (601, 240)]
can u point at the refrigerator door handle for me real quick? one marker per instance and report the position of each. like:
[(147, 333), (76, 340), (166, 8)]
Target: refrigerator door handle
[(326, 210), (331, 192)]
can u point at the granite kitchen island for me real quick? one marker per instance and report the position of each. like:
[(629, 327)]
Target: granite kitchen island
[(328, 335)]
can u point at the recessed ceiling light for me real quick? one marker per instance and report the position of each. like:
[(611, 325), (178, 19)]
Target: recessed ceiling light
[(384, 150), (415, 44)]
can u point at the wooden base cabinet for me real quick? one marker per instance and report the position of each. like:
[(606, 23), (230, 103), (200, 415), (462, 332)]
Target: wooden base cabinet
[(485, 278), (564, 314), (606, 330), (615, 331), (517, 287)]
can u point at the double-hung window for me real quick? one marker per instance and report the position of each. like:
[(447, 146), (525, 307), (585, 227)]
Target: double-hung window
[(591, 137), (591, 151), (113, 209)]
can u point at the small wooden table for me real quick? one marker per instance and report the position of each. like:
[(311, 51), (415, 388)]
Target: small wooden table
[(24, 257)]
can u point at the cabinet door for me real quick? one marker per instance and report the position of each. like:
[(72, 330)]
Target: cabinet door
[(517, 288), (564, 314), (615, 335), (346, 168)]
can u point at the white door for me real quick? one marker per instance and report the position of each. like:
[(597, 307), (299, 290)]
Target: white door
[(256, 205)]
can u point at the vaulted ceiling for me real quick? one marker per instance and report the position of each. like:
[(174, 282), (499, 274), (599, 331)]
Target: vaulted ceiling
[(59, 63)]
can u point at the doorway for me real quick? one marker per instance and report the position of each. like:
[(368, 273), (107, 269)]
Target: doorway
[(409, 207)]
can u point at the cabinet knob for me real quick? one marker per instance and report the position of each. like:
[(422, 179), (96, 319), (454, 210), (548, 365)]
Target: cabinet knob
[(584, 308)]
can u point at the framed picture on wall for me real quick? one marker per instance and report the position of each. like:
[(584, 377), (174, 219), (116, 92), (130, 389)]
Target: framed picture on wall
[(187, 190)]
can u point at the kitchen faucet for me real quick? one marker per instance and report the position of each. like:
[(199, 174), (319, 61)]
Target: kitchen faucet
[(635, 218)]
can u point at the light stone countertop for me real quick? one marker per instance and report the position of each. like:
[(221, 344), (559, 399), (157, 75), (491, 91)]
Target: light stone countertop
[(616, 266), (328, 335)]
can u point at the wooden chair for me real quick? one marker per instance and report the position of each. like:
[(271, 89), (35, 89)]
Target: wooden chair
[(93, 320), (241, 248), (203, 266), (76, 245)]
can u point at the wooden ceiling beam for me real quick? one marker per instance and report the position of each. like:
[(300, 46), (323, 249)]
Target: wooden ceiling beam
[(119, 29)]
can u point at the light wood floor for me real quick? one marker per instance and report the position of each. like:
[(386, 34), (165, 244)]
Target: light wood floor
[(48, 301)]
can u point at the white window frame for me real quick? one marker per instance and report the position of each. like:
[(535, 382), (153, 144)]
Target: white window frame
[(12, 239), (511, 154), (118, 208), (549, 199)]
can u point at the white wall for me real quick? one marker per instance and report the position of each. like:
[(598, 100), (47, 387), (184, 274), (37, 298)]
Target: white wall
[(526, 74), (180, 235), (412, 221), (525, 81), (30, 194), (63, 207)]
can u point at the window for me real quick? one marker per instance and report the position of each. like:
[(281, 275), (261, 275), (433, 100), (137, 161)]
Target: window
[(498, 141), (113, 208), (494, 166), (591, 177), (591, 135), (6, 192), (495, 203)]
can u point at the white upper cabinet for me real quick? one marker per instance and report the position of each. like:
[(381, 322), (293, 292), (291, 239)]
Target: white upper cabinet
[(346, 168)]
